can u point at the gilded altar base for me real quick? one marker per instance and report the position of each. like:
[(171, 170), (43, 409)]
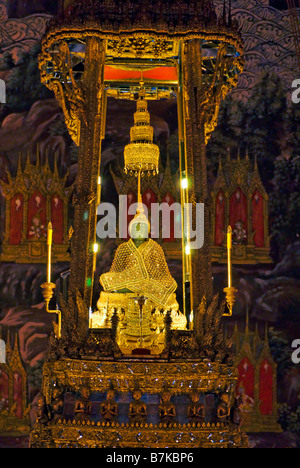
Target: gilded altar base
[(153, 379), (101, 435), (136, 329)]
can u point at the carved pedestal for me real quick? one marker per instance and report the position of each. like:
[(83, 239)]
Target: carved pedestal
[(154, 379)]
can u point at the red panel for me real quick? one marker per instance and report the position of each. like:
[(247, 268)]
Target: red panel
[(169, 199), (4, 391), (36, 216), (266, 388), (220, 218), (149, 197), (16, 219), (238, 212), (258, 219), (159, 73), (57, 219), (245, 383), (18, 394)]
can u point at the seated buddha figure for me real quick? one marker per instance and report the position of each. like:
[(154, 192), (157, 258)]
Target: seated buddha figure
[(139, 269)]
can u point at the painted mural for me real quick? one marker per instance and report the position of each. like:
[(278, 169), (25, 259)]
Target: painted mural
[(258, 123)]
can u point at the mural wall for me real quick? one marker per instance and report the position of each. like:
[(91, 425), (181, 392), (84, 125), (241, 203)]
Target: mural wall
[(258, 118)]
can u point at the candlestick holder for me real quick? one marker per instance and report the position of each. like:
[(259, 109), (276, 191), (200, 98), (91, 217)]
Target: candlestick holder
[(48, 294), (48, 286), (230, 299)]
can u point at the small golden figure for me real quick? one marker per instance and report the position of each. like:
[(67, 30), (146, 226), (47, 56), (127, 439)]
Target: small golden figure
[(137, 409), (57, 405), (196, 410), (236, 414), (42, 412), (109, 408), (83, 406), (37, 229), (223, 409), (166, 409)]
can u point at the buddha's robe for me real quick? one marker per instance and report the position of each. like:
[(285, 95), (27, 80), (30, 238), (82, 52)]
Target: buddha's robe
[(142, 270)]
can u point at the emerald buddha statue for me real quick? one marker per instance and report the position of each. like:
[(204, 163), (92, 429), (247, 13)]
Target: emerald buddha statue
[(139, 270)]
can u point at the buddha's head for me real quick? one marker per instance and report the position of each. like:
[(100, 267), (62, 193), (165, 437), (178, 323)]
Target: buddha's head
[(139, 228), (110, 394), (195, 397), (137, 395)]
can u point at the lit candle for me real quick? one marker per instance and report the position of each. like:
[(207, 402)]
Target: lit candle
[(184, 183), (98, 190), (229, 246), (49, 245), (187, 249)]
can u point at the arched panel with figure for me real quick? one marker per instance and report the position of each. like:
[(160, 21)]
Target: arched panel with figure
[(16, 219), (238, 216), (57, 219), (37, 217)]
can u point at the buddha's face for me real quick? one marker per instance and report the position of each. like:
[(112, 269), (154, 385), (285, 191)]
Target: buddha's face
[(139, 231), (137, 395), (195, 397), (110, 395), (225, 398), (85, 392), (41, 401), (166, 397), (56, 393)]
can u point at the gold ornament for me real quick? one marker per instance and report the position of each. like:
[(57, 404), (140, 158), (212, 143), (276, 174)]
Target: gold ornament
[(141, 155)]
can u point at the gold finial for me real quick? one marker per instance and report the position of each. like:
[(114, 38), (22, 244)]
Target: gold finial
[(37, 155), (19, 169)]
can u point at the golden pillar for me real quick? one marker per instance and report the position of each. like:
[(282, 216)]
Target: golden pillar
[(91, 132), (202, 95), (201, 282), (83, 102)]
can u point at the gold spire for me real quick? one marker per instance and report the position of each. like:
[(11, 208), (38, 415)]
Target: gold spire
[(19, 169)]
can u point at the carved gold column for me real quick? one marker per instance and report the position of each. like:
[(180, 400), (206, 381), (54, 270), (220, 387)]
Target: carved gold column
[(85, 199), (195, 154), (202, 94), (82, 98)]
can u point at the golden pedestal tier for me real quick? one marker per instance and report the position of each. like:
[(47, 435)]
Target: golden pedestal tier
[(137, 404), (136, 327)]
